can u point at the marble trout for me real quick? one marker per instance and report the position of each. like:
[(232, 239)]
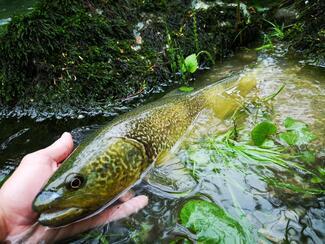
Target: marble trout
[(115, 158)]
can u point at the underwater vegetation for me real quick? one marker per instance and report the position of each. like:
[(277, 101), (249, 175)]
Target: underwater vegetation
[(265, 146), (277, 155), (212, 224)]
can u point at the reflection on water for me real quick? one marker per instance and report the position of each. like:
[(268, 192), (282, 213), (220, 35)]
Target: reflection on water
[(273, 216), (10, 8)]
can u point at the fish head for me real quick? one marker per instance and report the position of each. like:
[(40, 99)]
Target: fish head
[(92, 177)]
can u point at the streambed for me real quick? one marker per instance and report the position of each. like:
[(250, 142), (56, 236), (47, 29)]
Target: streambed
[(268, 214)]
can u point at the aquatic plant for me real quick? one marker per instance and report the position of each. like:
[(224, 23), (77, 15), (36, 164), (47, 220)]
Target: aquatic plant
[(190, 64), (95, 235), (263, 148), (267, 44), (186, 88), (297, 133), (212, 224), (261, 131), (178, 63), (277, 31)]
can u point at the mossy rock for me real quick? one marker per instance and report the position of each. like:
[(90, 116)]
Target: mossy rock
[(74, 52)]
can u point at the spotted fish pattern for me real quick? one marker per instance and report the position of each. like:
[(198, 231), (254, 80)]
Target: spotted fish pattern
[(114, 158)]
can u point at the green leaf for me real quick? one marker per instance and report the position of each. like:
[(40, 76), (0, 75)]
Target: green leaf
[(186, 88), (261, 131), (191, 63), (268, 144), (321, 171), (316, 180), (292, 124), (265, 47), (183, 68), (289, 137), (308, 156), (297, 133), (305, 136), (212, 224)]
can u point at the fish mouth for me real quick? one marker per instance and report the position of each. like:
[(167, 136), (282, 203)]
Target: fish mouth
[(61, 217), (53, 213)]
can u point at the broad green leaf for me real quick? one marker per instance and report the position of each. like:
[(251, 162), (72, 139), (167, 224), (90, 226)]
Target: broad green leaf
[(212, 224), (186, 88), (305, 136), (191, 63), (292, 124), (316, 180), (297, 133), (261, 131), (289, 137)]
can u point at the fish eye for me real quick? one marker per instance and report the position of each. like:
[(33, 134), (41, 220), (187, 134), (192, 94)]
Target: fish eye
[(74, 181)]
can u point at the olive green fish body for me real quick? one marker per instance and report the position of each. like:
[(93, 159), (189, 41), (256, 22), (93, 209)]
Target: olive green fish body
[(114, 158)]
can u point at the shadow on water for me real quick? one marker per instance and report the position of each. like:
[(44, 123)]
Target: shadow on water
[(274, 218)]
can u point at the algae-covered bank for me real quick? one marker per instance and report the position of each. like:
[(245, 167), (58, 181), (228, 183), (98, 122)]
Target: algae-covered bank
[(92, 52)]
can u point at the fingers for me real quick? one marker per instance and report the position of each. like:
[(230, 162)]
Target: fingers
[(125, 209), (127, 196), (111, 214), (60, 149)]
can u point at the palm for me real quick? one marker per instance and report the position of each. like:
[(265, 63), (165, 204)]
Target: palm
[(19, 191)]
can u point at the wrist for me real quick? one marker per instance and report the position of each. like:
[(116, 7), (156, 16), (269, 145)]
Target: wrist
[(3, 225)]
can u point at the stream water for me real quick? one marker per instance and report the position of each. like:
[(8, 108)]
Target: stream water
[(10, 8), (272, 216)]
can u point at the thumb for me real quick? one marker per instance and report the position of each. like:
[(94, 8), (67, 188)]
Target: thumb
[(60, 149)]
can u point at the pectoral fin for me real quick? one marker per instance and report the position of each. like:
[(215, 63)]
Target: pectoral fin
[(172, 179), (170, 176)]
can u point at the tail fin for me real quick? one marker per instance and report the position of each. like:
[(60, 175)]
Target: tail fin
[(224, 98)]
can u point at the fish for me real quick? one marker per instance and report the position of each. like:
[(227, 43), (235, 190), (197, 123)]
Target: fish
[(117, 156)]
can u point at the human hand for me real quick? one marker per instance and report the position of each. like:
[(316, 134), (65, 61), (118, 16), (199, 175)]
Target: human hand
[(19, 191)]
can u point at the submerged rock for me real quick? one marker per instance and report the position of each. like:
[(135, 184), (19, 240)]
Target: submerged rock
[(286, 15)]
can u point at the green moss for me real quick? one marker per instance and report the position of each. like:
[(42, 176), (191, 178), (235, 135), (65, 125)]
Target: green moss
[(74, 51)]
